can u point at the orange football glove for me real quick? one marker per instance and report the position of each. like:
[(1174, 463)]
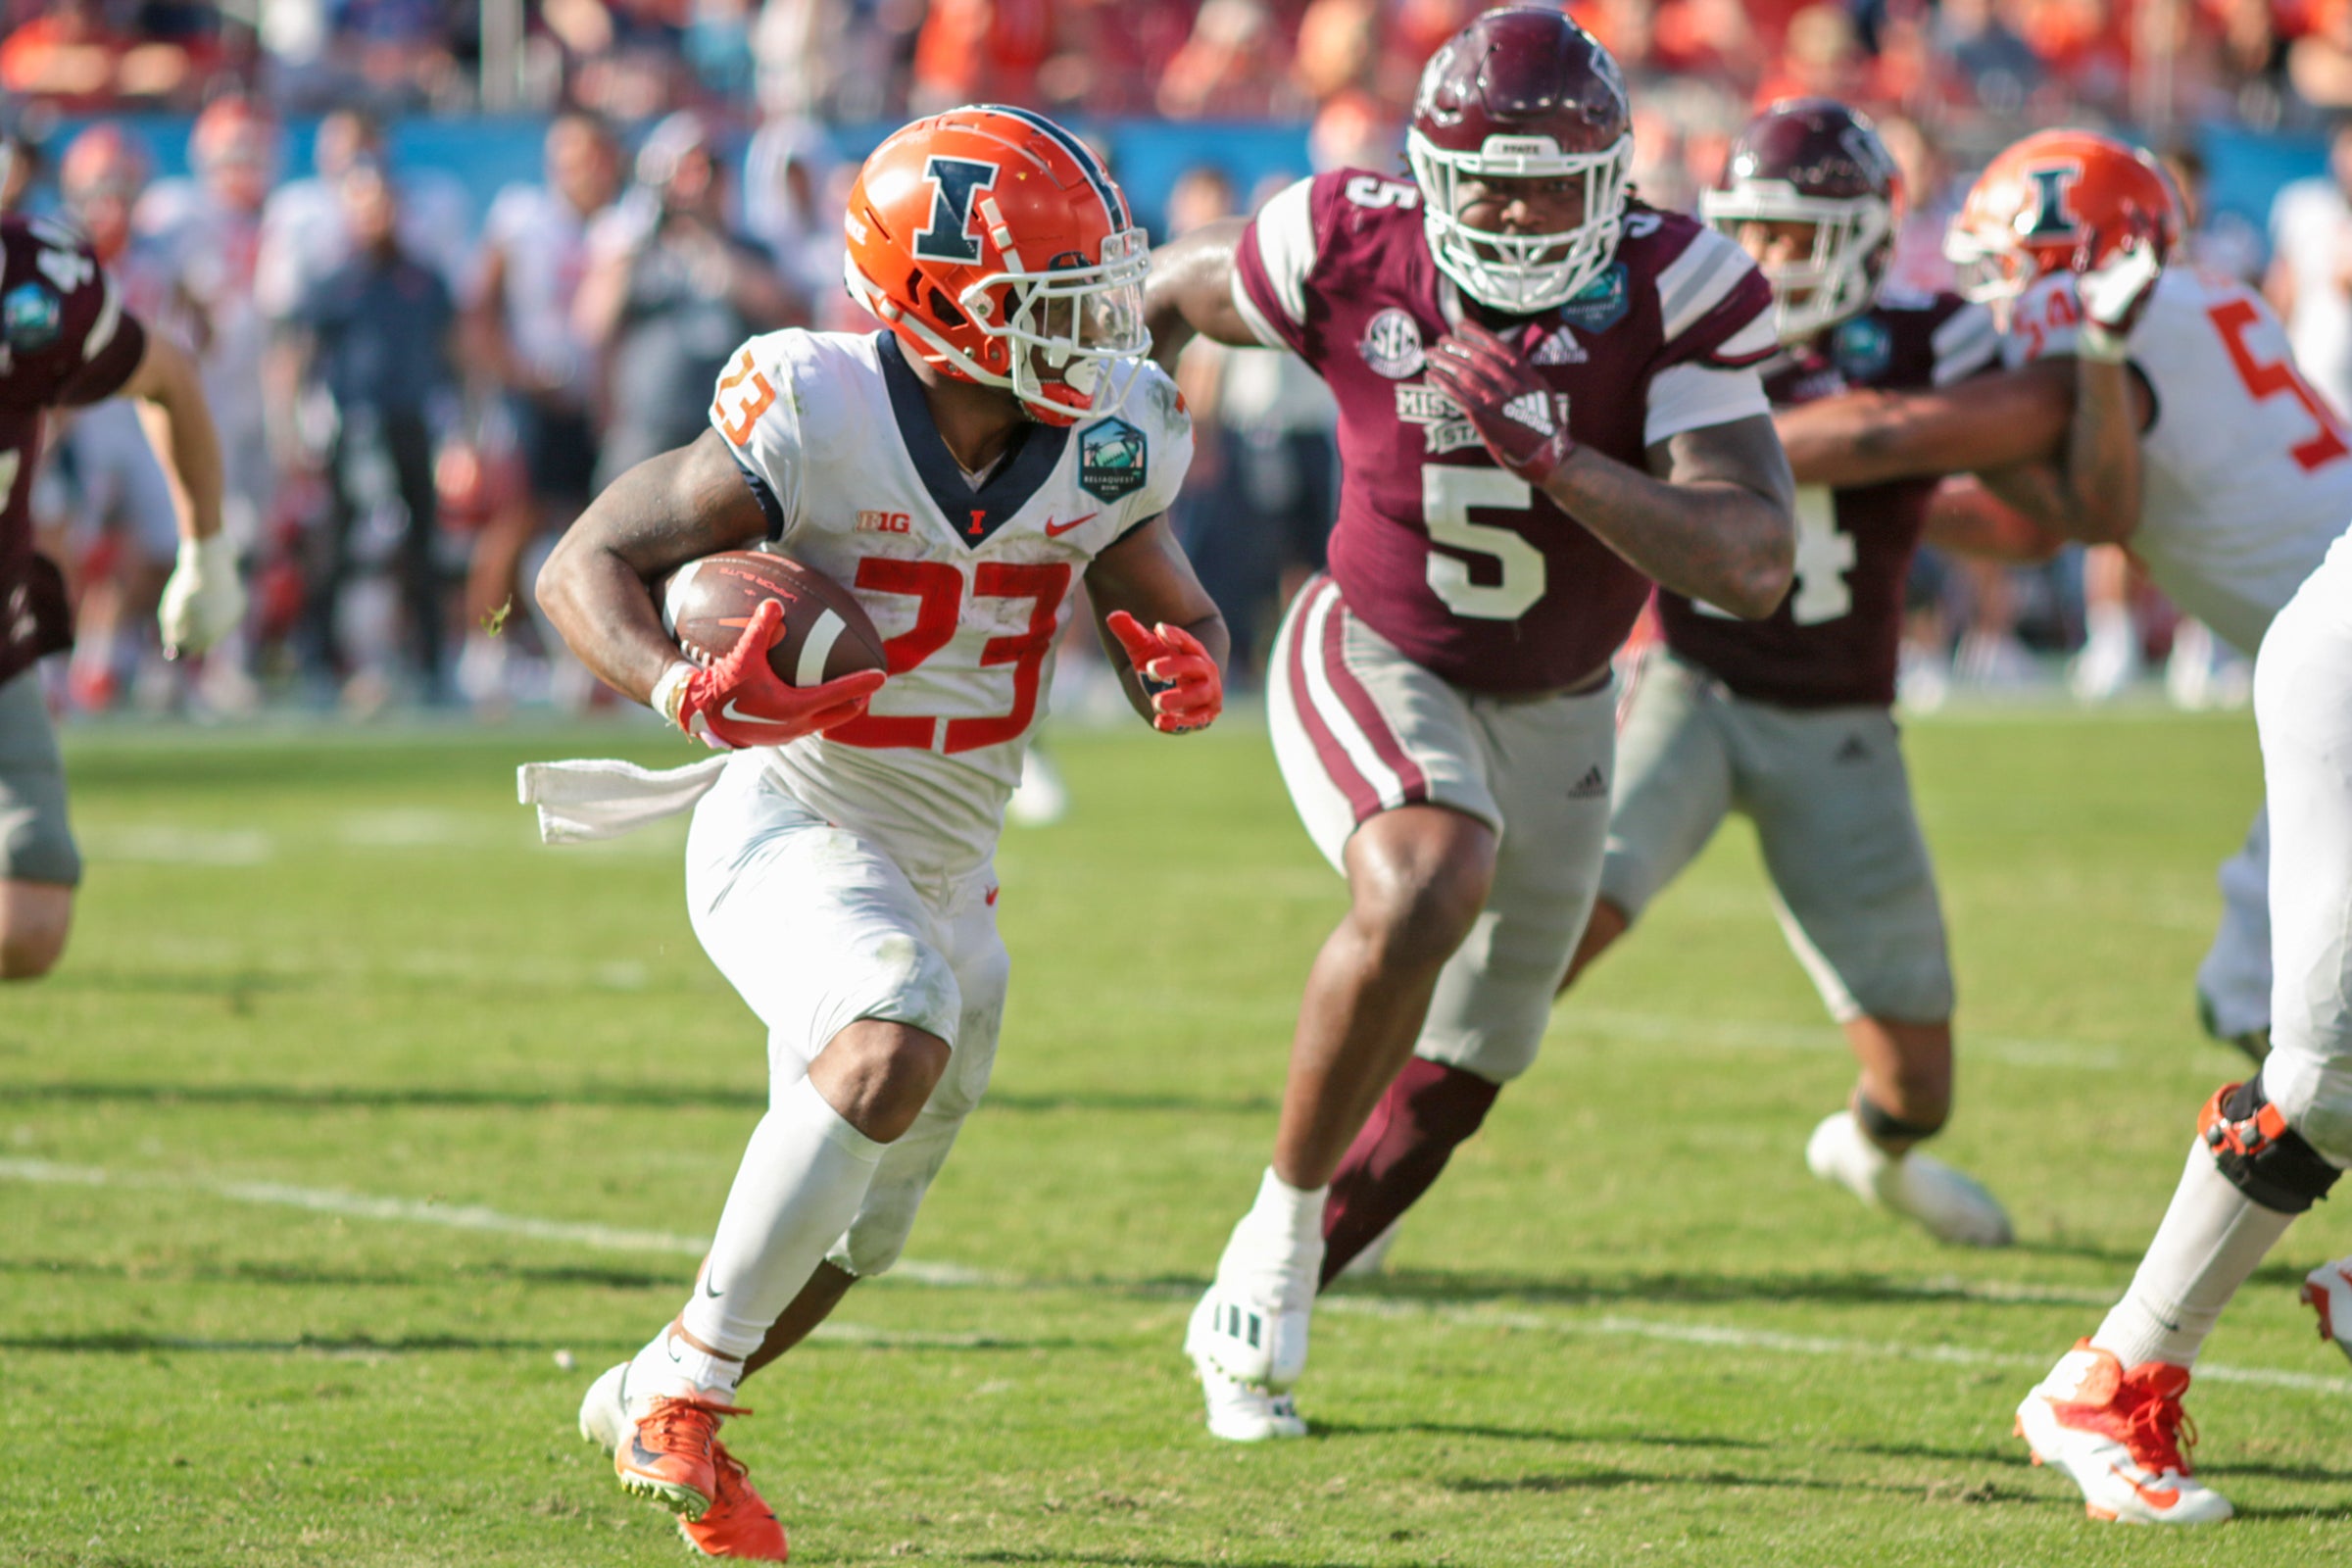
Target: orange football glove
[(739, 700), (1187, 692)]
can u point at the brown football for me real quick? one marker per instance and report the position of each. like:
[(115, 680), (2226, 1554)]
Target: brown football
[(706, 604)]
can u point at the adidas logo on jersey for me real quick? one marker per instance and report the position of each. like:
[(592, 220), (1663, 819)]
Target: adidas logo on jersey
[(1592, 786), (1533, 409), (1558, 349)]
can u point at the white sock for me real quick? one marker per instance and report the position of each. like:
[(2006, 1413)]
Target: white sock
[(1276, 1252), (2212, 1240), (799, 1187)]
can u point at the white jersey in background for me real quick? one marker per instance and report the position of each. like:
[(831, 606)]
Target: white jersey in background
[(545, 242), (2246, 469), (969, 584)]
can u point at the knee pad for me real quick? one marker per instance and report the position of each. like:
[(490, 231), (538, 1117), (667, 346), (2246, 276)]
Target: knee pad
[(2263, 1156)]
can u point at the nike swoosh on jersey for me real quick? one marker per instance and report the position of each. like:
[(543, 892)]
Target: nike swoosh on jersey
[(1055, 530)]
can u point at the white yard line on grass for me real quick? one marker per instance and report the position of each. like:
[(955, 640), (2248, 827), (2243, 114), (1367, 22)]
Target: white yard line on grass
[(1456, 1311)]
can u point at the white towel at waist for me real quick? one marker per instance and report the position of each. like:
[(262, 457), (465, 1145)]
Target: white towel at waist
[(599, 798)]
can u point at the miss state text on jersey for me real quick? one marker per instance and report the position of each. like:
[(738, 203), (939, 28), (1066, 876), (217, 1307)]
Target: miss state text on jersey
[(1465, 568), (64, 341), (1836, 638), (969, 584)]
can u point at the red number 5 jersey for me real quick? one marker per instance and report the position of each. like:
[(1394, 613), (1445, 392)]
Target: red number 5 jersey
[(1465, 568), (969, 582)]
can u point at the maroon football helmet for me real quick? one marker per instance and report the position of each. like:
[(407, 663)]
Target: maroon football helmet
[(1813, 160), (1522, 93)]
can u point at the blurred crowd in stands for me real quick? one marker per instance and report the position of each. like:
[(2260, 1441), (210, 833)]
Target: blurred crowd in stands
[(419, 384)]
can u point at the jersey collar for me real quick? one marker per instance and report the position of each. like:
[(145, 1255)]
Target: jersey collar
[(972, 515)]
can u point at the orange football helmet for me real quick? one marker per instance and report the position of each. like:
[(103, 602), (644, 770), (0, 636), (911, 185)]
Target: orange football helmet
[(2058, 201), (990, 239)]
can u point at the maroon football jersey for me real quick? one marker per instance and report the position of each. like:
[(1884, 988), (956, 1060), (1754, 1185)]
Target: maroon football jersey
[(64, 340), (1471, 571), (1834, 638)]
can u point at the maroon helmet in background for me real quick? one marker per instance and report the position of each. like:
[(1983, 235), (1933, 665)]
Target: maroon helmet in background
[(1522, 93), (1813, 160)]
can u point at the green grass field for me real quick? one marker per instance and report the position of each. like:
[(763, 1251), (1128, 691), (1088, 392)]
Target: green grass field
[(353, 1108)]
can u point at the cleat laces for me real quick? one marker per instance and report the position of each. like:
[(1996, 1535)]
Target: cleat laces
[(682, 1426), (2159, 1434)]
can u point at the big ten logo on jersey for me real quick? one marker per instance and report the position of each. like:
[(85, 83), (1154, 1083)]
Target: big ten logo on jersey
[(1016, 608), (744, 394), (877, 521)]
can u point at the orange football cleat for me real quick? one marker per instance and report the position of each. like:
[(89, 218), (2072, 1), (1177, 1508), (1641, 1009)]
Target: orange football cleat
[(667, 1454), (739, 1523), (2118, 1433)]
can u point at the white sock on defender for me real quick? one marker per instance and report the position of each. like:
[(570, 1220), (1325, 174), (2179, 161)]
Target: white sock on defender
[(799, 1187), (2212, 1240), (1278, 1245)]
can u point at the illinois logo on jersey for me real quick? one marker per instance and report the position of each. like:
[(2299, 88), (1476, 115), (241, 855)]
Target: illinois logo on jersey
[(1114, 459)]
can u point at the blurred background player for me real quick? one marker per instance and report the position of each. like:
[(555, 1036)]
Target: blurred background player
[(2149, 406), (1547, 396), (124, 533), (66, 340), (1001, 443), (376, 339), (1787, 719), (671, 288), (526, 341)]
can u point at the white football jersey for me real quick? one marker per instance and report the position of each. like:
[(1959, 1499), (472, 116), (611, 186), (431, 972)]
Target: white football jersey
[(2247, 474), (970, 586)]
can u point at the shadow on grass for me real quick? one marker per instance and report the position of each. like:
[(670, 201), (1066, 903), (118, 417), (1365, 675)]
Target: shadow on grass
[(623, 1096), (1612, 1480), (1467, 1428), (1567, 1288), (1134, 1559)]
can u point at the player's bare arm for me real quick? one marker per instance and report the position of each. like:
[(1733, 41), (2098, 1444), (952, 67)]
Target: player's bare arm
[(1974, 515), (1991, 422), (178, 422), (1147, 577), (1190, 292), (669, 510)]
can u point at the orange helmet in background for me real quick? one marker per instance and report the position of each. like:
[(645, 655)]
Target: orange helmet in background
[(990, 239), (2058, 201)]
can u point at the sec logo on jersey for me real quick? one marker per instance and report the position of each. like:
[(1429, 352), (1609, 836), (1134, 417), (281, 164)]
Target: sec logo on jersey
[(1112, 460), (1392, 344)]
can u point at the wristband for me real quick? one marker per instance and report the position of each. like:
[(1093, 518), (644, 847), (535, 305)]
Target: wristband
[(2101, 345), (670, 692)]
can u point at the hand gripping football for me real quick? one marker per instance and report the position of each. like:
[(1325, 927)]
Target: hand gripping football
[(827, 634)]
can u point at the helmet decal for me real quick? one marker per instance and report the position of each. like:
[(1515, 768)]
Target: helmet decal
[(995, 245), (2052, 217), (955, 181)]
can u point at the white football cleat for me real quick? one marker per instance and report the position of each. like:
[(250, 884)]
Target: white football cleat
[(1236, 1411), (1949, 1205), (2117, 1433), (604, 1415), (2329, 1289)]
